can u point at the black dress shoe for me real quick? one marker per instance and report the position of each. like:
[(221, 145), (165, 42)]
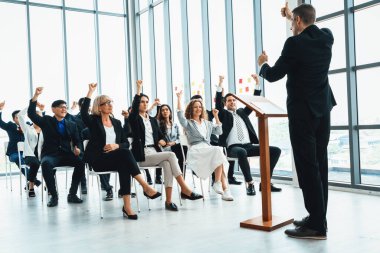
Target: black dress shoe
[(303, 222), (171, 206), (233, 180), (251, 190), (304, 232), (37, 182), (53, 201), (272, 188), (152, 197), (129, 216), (32, 193), (193, 196), (109, 195), (73, 198), (158, 180)]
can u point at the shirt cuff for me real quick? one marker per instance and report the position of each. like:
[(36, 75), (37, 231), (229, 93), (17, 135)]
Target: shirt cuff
[(262, 65), (219, 89)]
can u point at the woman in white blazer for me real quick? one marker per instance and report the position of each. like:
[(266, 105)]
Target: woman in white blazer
[(32, 148)]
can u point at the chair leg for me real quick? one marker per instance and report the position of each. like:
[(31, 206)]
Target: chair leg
[(179, 194), (137, 198), (66, 180), (42, 188), (20, 181), (100, 197), (27, 183), (6, 174), (115, 183), (200, 181), (10, 175), (193, 179)]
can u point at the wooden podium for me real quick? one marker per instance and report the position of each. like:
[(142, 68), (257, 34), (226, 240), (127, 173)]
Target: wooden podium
[(264, 109)]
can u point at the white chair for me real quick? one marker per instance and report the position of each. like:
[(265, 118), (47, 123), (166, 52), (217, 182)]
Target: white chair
[(8, 166), (20, 148)]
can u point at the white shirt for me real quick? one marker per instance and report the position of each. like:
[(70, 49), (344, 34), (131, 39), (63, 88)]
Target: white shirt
[(110, 135), (233, 136), (148, 131), (202, 128)]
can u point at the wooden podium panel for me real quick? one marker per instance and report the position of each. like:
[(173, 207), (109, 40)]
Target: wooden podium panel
[(264, 109)]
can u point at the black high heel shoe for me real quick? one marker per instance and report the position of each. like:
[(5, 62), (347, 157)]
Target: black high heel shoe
[(129, 216), (156, 195)]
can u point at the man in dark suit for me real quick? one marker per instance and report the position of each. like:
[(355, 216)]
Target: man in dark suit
[(305, 59), (59, 137), (239, 136)]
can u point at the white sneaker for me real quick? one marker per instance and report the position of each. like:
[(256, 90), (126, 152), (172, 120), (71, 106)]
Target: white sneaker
[(227, 196), (217, 186)]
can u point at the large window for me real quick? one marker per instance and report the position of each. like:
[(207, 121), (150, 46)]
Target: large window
[(339, 114), (196, 47), (162, 82), (367, 43), (146, 54), (339, 156), (244, 45), (113, 61), (116, 6), (80, 4), (322, 8), (218, 43), (47, 53), (369, 154), (81, 53)]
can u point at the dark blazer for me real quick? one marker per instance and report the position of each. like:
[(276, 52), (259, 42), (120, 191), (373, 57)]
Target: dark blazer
[(305, 58), (78, 120), (53, 141), (227, 120), (138, 131), (98, 135), (14, 134)]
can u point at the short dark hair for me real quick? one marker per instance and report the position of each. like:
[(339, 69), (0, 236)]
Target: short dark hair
[(15, 113), (306, 12), (196, 97), (225, 97), (57, 103), (144, 95), (80, 102)]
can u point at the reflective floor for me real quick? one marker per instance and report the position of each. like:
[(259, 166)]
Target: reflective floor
[(27, 225)]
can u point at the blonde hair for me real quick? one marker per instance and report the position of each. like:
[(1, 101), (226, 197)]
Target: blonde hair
[(97, 102), (190, 108)]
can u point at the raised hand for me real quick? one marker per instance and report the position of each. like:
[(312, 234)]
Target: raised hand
[(285, 12), (76, 151), (41, 106), (91, 89), (37, 92), (179, 94), (156, 102), (262, 58), (221, 79), (125, 113), (139, 84), (74, 105), (215, 112), (256, 78), (2, 105)]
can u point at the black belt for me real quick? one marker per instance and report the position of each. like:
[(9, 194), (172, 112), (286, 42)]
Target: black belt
[(149, 146)]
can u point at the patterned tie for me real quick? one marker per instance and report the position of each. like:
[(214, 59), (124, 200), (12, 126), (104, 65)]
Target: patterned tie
[(239, 128)]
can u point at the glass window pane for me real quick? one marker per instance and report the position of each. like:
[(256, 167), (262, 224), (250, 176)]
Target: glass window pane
[(161, 80), (113, 62), (53, 2), (144, 3), (218, 47), (368, 96), (80, 4), (14, 74), (369, 156), (244, 44), (145, 54), (367, 43), (195, 47), (176, 46), (357, 2), (339, 114), (322, 8), (47, 53), (116, 6), (339, 156), (80, 53), (336, 25)]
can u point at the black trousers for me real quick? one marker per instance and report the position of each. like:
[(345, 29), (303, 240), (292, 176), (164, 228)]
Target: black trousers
[(243, 151), (49, 162), (309, 138), (178, 153), (34, 165), (121, 160)]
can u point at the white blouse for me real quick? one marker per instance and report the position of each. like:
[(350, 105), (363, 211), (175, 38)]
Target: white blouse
[(110, 135)]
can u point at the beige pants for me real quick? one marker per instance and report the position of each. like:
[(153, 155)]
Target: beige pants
[(167, 161)]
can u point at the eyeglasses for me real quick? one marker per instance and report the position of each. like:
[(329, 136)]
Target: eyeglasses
[(108, 102), (62, 107)]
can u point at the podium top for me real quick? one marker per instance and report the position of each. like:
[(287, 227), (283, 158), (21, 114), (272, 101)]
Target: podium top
[(262, 106)]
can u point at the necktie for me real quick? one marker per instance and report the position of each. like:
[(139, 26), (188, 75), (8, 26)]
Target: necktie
[(239, 128)]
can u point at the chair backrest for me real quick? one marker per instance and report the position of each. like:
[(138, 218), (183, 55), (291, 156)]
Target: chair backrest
[(20, 146)]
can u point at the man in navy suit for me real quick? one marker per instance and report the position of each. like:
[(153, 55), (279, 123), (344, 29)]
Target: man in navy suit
[(62, 147), (305, 59)]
